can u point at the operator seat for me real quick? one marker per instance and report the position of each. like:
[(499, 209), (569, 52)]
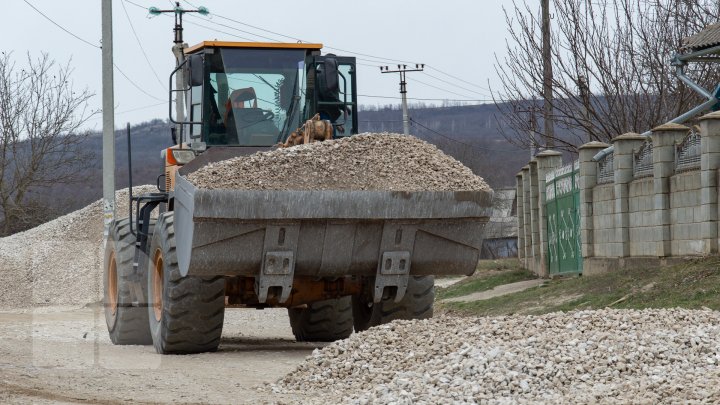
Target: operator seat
[(244, 120)]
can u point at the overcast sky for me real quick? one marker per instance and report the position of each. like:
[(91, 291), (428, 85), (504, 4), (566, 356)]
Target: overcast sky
[(457, 37)]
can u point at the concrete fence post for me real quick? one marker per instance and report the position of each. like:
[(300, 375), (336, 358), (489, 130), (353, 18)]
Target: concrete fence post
[(588, 180), (527, 228), (535, 216), (519, 194), (664, 139), (709, 165), (547, 161), (625, 145)]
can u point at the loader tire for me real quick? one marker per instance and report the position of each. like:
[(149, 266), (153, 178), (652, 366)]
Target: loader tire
[(322, 321), (186, 313), (416, 304), (125, 290)]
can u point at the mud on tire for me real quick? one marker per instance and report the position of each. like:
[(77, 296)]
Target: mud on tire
[(125, 290), (416, 304), (322, 321), (186, 313)]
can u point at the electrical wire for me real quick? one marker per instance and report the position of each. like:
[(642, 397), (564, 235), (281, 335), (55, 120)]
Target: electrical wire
[(142, 49), (377, 59), (94, 46), (428, 99), (453, 84), (140, 89), (60, 26), (456, 78), (440, 88), (413, 122)]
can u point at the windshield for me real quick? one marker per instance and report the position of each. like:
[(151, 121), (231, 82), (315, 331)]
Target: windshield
[(254, 95)]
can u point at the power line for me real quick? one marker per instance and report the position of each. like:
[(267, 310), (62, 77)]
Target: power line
[(135, 84), (432, 99), (377, 58), (457, 78), (94, 46), (455, 85), (140, 45), (441, 89), (459, 141), (60, 26), (236, 29)]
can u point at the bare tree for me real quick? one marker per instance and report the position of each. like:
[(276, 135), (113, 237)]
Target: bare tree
[(611, 64), (40, 137)]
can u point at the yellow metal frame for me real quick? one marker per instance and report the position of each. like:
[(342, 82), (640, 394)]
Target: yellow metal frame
[(227, 44)]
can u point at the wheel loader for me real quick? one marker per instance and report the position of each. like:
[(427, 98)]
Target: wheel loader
[(338, 260)]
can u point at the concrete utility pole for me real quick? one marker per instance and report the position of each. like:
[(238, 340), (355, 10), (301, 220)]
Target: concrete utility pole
[(402, 69), (108, 111), (547, 76)]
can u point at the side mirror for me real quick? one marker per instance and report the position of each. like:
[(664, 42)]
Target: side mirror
[(194, 73), (173, 135)]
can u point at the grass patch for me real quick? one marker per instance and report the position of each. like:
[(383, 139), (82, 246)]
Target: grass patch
[(489, 274), (694, 284)]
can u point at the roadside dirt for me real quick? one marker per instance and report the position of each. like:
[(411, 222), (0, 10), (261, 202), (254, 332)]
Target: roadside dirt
[(63, 355), (498, 291)]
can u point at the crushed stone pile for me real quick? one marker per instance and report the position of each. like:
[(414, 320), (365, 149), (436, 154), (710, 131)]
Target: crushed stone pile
[(587, 357), (362, 162), (59, 262)]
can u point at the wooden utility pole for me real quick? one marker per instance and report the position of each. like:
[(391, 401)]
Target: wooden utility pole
[(549, 134)]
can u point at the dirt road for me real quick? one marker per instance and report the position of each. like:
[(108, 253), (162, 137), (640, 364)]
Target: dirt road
[(63, 355)]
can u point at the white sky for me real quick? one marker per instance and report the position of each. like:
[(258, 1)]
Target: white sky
[(458, 37)]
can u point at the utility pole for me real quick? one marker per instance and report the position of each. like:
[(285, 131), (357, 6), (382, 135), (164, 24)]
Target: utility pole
[(402, 69), (178, 50), (547, 76), (108, 109)]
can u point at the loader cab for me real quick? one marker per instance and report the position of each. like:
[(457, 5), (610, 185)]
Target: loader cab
[(256, 94)]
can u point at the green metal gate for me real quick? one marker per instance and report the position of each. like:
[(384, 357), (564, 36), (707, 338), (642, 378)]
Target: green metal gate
[(562, 204)]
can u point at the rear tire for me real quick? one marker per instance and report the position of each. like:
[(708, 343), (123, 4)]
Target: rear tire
[(186, 313), (322, 321), (125, 312), (416, 304)]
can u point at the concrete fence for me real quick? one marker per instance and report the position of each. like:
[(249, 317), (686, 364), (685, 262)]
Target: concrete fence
[(651, 200)]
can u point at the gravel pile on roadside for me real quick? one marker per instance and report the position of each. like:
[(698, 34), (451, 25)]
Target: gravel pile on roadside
[(59, 262), (599, 357), (362, 162)]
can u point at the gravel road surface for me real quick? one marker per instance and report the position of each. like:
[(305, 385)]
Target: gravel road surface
[(64, 355)]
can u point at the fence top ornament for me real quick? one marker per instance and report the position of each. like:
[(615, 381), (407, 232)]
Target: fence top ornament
[(670, 126), (715, 115), (548, 152), (593, 145), (630, 136)]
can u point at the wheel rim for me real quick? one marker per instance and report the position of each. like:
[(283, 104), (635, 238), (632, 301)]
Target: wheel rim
[(157, 284), (112, 284)]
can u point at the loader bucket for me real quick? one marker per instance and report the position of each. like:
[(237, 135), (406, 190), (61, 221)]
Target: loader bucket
[(327, 233)]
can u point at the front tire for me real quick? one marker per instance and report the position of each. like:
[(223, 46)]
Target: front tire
[(186, 313), (124, 296), (416, 304)]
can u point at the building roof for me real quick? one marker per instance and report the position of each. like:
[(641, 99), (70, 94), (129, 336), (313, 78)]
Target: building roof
[(708, 37)]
